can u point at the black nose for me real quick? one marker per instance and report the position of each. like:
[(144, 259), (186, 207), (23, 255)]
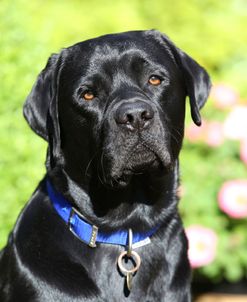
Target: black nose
[(134, 115)]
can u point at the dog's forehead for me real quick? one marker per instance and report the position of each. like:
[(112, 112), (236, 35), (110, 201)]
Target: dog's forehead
[(118, 42), (119, 49)]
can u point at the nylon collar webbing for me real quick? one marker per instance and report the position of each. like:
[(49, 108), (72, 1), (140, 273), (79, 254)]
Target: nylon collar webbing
[(86, 232)]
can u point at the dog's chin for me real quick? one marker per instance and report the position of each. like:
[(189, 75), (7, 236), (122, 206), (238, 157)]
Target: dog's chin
[(154, 166), (122, 181)]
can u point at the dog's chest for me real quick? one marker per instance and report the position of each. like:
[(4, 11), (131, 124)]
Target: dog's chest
[(148, 282)]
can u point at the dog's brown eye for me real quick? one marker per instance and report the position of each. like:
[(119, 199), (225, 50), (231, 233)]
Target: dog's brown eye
[(88, 96), (154, 80)]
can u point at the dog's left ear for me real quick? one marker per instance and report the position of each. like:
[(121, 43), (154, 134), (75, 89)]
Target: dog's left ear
[(196, 80), (197, 83)]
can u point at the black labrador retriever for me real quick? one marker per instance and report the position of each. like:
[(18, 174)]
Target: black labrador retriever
[(103, 224)]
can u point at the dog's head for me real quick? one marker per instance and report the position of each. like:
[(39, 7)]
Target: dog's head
[(115, 105)]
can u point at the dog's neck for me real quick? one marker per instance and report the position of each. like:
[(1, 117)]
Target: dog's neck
[(144, 203)]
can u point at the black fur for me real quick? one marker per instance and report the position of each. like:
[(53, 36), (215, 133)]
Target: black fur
[(115, 158)]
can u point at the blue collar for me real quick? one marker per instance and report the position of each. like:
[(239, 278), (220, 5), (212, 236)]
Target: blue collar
[(86, 232)]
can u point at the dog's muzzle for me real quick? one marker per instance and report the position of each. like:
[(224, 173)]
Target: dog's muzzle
[(134, 115)]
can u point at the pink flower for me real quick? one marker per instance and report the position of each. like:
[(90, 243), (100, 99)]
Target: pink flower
[(243, 151), (233, 198), (210, 132), (202, 245), (194, 133), (224, 96), (214, 135), (235, 126)]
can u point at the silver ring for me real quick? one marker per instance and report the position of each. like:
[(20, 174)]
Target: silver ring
[(137, 260)]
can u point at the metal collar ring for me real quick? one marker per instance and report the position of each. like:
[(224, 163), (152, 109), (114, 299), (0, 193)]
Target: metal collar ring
[(136, 258)]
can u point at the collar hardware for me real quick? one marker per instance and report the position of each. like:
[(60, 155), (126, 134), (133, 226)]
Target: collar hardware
[(89, 233), (130, 239), (92, 241), (129, 254)]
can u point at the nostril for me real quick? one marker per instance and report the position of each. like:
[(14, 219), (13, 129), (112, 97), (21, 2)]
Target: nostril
[(130, 118), (147, 115)]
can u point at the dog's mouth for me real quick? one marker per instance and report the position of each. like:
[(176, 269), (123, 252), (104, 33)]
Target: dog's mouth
[(127, 174), (142, 159)]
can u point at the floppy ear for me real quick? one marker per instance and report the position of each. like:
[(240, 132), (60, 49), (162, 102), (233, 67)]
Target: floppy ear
[(197, 83), (40, 108), (37, 105), (196, 80)]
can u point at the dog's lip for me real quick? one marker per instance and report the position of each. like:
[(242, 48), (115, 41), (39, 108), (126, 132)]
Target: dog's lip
[(156, 166), (160, 157), (122, 181), (127, 174), (143, 156), (140, 164), (140, 168)]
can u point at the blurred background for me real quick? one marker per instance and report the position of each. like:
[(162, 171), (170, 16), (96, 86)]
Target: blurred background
[(214, 158)]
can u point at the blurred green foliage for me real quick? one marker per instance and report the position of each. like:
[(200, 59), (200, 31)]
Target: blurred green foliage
[(213, 32)]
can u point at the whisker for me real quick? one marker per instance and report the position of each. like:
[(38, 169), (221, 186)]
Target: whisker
[(102, 167), (175, 138), (178, 132), (89, 163)]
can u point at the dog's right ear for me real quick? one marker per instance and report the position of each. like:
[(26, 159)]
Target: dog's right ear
[(38, 102)]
